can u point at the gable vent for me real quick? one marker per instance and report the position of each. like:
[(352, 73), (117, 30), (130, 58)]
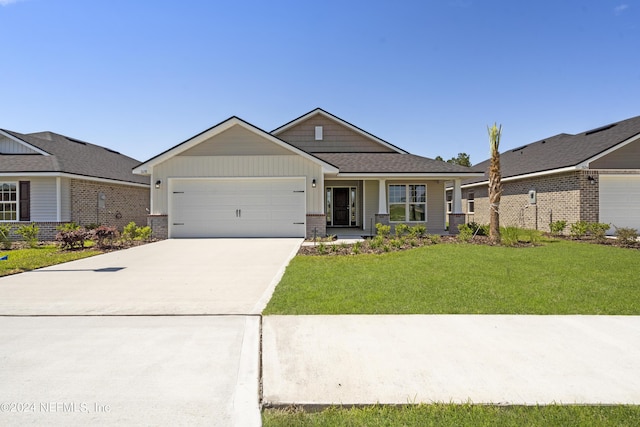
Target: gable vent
[(318, 133), (600, 129)]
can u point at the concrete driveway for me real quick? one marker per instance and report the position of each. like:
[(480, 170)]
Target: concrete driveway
[(178, 276), (161, 334)]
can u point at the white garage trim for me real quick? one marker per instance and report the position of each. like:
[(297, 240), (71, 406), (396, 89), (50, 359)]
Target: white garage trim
[(620, 201), (237, 207)]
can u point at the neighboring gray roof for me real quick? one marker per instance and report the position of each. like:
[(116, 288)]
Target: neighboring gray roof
[(561, 151), (390, 163), (69, 155)]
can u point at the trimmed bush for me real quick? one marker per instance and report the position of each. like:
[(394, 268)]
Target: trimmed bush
[(73, 238), (627, 235), (557, 227), (104, 236), (5, 233), (579, 229), (29, 234)]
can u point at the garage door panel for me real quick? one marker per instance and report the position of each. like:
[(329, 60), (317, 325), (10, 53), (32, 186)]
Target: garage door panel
[(238, 208), (620, 201)]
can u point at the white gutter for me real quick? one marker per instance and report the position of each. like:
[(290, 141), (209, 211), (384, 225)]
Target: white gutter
[(530, 175), (72, 176)]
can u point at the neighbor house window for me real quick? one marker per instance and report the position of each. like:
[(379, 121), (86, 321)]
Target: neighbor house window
[(407, 202), (471, 202), (8, 201), (449, 202)]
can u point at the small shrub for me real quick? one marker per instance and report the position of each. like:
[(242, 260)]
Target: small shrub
[(557, 227), (579, 229), (465, 233), (418, 230), (599, 230), (29, 233), (72, 238), (132, 232), (478, 229), (435, 238), (356, 247), (383, 230), (321, 248), (396, 243), (376, 242), (627, 235), (533, 236), (402, 229), (509, 235), (69, 226), (5, 236), (104, 236)]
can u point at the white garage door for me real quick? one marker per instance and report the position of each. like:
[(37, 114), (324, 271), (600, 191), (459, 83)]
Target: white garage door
[(237, 207), (620, 201)]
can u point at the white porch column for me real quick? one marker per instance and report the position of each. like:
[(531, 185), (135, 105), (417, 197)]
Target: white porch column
[(382, 196), (457, 197), (58, 197)]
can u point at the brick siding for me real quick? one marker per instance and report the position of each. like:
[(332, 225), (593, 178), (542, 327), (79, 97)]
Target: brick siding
[(568, 196), (122, 204), (159, 226), (316, 225)]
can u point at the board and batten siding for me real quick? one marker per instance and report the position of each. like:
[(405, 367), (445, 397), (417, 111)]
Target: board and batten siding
[(240, 167), (370, 205), (9, 146), (335, 138)]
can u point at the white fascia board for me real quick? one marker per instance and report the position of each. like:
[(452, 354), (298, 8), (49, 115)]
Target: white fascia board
[(610, 150), (26, 144), (343, 123), (70, 176), (408, 175), (529, 175), (147, 167)]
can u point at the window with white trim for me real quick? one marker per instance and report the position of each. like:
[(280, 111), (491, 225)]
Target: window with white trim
[(449, 201), (471, 202), (8, 201), (407, 202)]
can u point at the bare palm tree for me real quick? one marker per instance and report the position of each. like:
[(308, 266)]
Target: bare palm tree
[(495, 183)]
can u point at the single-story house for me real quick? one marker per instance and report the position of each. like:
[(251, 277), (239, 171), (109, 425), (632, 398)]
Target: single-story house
[(313, 176), (51, 179), (592, 176)]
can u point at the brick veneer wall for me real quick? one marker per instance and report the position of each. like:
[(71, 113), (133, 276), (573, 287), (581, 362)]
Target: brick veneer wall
[(316, 223), (123, 204), (568, 196), (46, 233), (159, 226)]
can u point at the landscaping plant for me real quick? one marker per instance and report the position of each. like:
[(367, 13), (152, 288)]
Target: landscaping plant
[(557, 227), (5, 236), (29, 234), (495, 183), (627, 235)]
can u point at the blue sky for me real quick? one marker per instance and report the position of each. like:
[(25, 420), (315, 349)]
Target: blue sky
[(429, 76)]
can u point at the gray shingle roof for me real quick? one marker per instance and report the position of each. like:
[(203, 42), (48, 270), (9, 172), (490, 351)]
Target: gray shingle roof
[(561, 151), (390, 163), (68, 155)]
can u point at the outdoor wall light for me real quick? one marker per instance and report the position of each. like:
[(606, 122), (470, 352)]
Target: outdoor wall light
[(313, 183), (158, 182), (591, 180)]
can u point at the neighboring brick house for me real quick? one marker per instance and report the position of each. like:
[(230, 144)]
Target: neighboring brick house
[(51, 179), (592, 176)]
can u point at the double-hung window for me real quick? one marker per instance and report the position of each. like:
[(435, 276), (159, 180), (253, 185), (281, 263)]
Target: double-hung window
[(8, 201), (471, 202), (407, 202)]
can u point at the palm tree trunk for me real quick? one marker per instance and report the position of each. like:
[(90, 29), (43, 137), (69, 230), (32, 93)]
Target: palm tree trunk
[(495, 184)]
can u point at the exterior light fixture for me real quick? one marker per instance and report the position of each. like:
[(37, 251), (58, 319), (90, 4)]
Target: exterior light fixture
[(158, 182), (591, 180), (313, 183)]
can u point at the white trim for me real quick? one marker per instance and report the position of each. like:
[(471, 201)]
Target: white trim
[(17, 202), (611, 150), (26, 144), (338, 120), (364, 204), (407, 203), (146, 168), (399, 175), (529, 175), (58, 199), (72, 176)]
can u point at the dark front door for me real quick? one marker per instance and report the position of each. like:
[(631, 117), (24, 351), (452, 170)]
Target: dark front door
[(340, 206)]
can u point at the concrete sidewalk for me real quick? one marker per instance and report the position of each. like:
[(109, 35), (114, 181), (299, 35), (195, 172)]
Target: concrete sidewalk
[(320, 360)]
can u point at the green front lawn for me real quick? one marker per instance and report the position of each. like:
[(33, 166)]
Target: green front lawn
[(560, 277), (20, 260), (457, 415)]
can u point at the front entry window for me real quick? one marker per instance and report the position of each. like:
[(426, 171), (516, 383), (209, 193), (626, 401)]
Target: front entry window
[(407, 202)]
